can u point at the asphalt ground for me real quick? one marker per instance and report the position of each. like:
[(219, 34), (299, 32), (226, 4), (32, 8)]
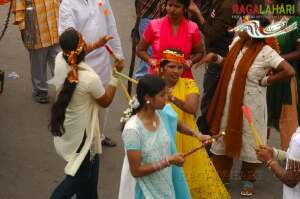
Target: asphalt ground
[(29, 165)]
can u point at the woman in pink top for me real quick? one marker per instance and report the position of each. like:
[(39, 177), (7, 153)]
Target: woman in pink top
[(172, 31)]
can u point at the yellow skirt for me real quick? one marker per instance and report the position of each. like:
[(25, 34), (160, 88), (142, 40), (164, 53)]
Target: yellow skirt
[(200, 174)]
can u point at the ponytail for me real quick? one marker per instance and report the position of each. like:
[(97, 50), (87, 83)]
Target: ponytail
[(73, 47)]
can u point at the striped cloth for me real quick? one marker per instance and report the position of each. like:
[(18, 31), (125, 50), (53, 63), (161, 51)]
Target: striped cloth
[(150, 8), (46, 20)]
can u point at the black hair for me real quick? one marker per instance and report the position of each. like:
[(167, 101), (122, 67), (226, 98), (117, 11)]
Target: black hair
[(163, 63), (148, 85), (68, 41), (186, 4)]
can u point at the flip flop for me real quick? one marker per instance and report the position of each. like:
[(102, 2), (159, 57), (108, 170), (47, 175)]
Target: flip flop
[(247, 189)]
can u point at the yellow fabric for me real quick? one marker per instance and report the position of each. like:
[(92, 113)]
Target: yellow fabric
[(200, 173), (46, 20)]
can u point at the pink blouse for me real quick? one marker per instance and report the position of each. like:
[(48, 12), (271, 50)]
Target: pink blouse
[(159, 34)]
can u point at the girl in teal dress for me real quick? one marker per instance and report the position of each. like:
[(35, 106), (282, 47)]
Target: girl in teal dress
[(149, 140)]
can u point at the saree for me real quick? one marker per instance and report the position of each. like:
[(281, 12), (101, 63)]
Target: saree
[(201, 175)]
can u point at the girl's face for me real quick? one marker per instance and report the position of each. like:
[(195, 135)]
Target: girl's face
[(159, 100), (171, 72), (175, 9)]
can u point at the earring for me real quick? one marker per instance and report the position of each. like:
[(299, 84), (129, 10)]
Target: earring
[(147, 102)]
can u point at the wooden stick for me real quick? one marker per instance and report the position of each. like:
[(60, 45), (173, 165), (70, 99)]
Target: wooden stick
[(124, 90), (116, 59), (111, 52), (255, 135), (125, 76), (205, 143)]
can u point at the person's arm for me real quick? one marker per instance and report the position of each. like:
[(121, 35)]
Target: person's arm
[(193, 8), (198, 52), (18, 9), (146, 40), (190, 105), (290, 177), (106, 99), (285, 71), (184, 129), (100, 43), (294, 55), (132, 143), (212, 58), (142, 50), (139, 170)]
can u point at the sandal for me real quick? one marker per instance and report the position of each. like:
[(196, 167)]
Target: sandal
[(247, 189), (108, 142)]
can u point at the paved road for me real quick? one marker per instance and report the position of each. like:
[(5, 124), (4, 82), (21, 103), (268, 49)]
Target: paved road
[(29, 166)]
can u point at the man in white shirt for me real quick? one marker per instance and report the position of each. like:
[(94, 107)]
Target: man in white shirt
[(94, 19)]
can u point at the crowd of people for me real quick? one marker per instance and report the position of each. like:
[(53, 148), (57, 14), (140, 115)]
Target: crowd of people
[(169, 152)]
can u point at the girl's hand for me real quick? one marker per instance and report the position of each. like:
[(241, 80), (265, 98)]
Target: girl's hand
[(201, 137), (177, 159), (102, 41), (119, 65), (264, 153)]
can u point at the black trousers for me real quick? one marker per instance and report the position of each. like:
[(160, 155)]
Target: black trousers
[(210, 82), (84, 184)]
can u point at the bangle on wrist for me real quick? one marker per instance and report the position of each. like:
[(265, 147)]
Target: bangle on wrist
[(269, 163), (264, 81), (172, 98), (114, 81), (167, 160)]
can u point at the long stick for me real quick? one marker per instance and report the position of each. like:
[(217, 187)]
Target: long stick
[(255, 135), (205, 143), (116, 59), (124, 90), (134, 39), (125, 76)]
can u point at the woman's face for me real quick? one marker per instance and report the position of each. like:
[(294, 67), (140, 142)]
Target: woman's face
[(171, 72), (159, 100), (175, 9)]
